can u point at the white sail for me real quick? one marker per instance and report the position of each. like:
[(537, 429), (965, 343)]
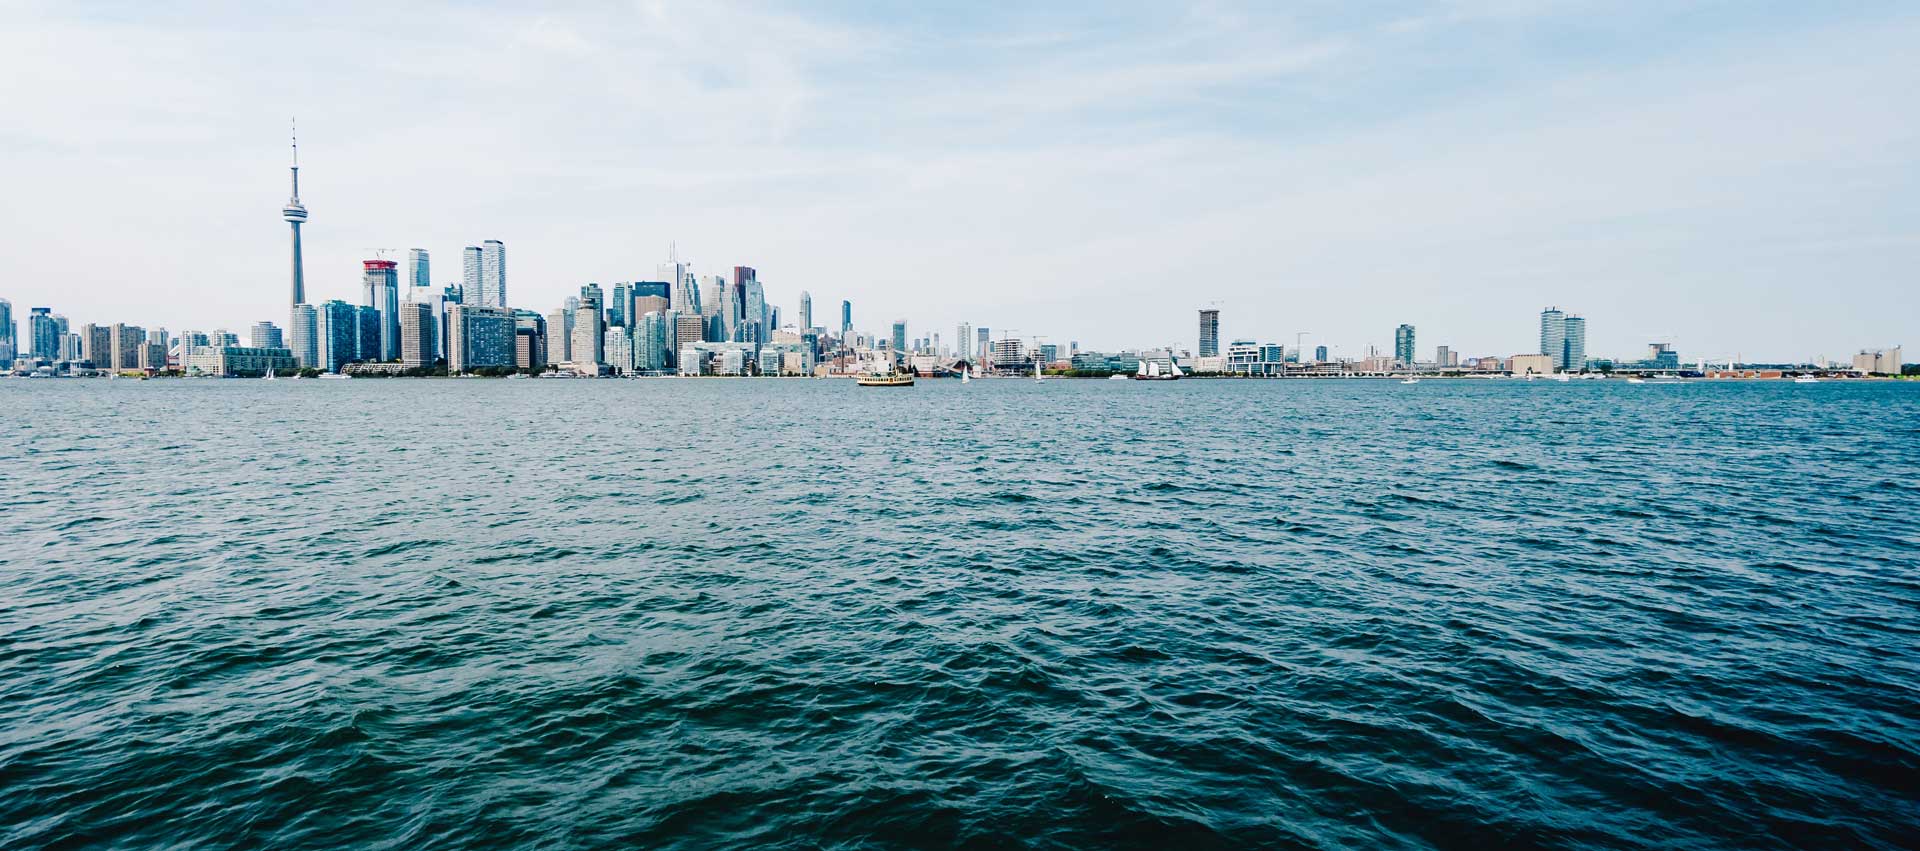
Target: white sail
[(1173, 368), (1143, 368)]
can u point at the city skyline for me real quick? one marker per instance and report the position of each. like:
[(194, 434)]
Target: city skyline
[(1712, 187)]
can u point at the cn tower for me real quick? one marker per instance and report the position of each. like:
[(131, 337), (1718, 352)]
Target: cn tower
[(294, 213)]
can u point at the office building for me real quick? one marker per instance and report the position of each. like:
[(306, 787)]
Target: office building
[(266, 335), (899, 337), (683, 294), (712, 293), (806, 310), (417, 332), (368, 343), (846, 319), (305, 336), (687, 330), (1553, 337), (560, 336), (983, 340), (339, 335), (481, 337), (380, 290), (644, 297), (1403, 345), (617, 304), (1319, 354), (618, 346), (126, 341), (1209, 333), (9, 339)]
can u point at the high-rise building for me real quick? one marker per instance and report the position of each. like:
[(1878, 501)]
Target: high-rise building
[(9, 342), (650, 341), (1576, 350), (806, 310), (687, 330), (380, 290), (266, 335), (683, 290), (1553, 337), (755, 318), (1444, 357), (451, 295), (368, 345), (846, 319), (560, 336), (982, 342), (1209, 333), (296, 215), (127, 340), (482, 337), (617, 304), (618, 346), (417, 327), (962, 340), (339, 335), (1403, 345), (470, 276), (1319, 354), (305, 334), (711, 296), (96, 345), (589, 333), (899, 336), (419, 273), (43, 334), (493, 273)]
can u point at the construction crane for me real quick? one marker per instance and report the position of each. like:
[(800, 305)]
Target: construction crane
[(380, 253)]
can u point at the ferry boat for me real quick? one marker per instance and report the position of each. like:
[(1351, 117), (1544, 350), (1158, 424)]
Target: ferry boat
[(1805, 379), (892, 379)]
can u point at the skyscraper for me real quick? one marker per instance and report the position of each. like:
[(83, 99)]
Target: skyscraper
[(43, 334), (982, 339), (617, 304), (683, 290), (493, 274), (899, 336), (846, 318), (1403, 345), (1319, 354), (711, 295), (589, 340), (296, 215), (963, 340), (380, 290), (806, 310), (470, 262), (419, 276), (1576, 351), (368, 342), (339, 335), (1209, 333), (9, 343), (306, 336), (1553, 337), (560, 336)]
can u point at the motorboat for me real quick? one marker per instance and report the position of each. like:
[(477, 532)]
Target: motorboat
[(1636, 380), (1805, 379), (1411, 381)]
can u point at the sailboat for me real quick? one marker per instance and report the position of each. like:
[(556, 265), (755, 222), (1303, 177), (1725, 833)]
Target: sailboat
[(966, 375), (1038, 370), (1150, 371), (269, 373)]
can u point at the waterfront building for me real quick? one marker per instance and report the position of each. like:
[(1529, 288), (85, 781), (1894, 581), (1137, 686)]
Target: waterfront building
[(618, 346), (266, 335), (367, 322), (1210, 334), (380, 290), (493, 274), (589, 339), (9, 341), (126, 341), (419, 273), (1878, 361), (305, 334), (70, 348), (1403, 345), (1531, 364), (529, 349), (560, 336), (1574, 356), (43, 334), (651, 341), (1553, 337), (482, 337), (1662, 356), (236, 361), (416, 335), (1009, 354), (339, 335)]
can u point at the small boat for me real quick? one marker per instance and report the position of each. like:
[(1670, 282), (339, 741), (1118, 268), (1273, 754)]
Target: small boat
[(1117, 377), (1562, 377), (1805, 379), (270, 374), (1411, 381), (335, 375), (1636, 381), (966, 375)]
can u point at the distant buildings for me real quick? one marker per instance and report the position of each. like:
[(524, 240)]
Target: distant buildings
[(1531, 364), (899, 336), (417, 330), (339, 335), (380, 290), (1563, 339), (1403, 345), (236, 361), (305, 336), (1878, 361), (1209, 333), (266, 335), (481, 337)]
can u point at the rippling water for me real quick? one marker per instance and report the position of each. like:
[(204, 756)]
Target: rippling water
[(801, 614)]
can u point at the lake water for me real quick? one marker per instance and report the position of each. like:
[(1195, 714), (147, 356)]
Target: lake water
[(417, 614)]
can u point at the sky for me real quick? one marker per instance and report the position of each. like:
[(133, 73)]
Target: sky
[(1738, 178)]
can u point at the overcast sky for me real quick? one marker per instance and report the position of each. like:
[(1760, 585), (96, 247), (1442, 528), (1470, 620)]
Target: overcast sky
[(1738, 177)]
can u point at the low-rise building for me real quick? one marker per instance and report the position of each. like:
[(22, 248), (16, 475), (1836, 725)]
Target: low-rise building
[(238, 361)]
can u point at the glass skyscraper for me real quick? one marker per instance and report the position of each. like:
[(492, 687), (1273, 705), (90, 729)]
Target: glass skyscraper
[(1563, 337), (1209, 333), (1403, 344)]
